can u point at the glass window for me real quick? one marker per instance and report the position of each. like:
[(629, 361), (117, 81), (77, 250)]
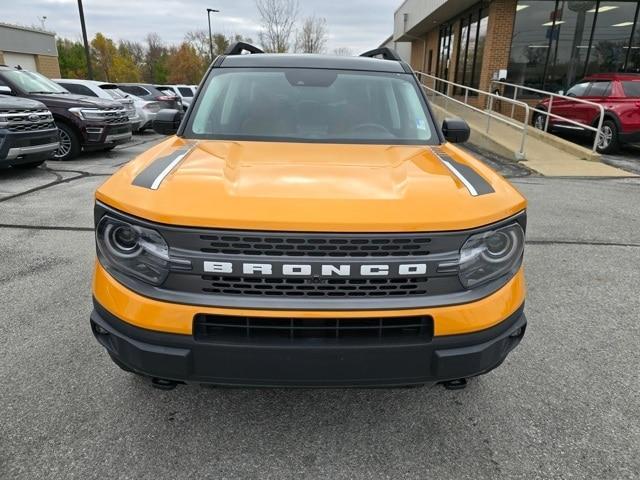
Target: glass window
[(135, 90), (477, 64), (570, 34), (578, 90), (631, 89), (611, 36), (599, 89), (462, 50), (308, 105), (633, 63), (79, 89), (185, 92), (531, 42), (32, 82)]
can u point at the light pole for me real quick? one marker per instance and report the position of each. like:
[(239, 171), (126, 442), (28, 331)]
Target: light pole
[(209, 12), (86, 42)]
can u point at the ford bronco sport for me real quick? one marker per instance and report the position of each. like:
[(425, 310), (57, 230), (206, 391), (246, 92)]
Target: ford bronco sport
[(309, 225)]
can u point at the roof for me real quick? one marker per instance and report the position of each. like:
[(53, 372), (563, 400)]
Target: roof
[(614, 76), (328, 62), (82, 82)]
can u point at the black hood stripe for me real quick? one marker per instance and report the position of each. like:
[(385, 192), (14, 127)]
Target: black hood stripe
[(475, 183), (148, 176)]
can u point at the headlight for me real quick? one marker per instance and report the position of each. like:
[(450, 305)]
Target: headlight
[(136, 251), (87, 113), (490, 255)]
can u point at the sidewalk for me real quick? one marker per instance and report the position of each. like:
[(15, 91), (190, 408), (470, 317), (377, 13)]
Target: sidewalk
[(544, 153)]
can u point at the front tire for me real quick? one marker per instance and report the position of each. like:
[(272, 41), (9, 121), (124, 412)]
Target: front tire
[(69, 143), (608, 141)]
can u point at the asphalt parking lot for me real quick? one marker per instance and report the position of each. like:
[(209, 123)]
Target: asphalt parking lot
[(564, 405)]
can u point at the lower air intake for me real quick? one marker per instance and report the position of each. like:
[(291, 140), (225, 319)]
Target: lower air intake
[(243, 330)]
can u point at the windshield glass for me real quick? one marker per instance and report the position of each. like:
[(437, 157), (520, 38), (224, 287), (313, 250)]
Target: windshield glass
[(311, 105), (32, 82), (114, 91)]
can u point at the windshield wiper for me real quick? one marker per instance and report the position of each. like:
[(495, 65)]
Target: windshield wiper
[(47, 93)]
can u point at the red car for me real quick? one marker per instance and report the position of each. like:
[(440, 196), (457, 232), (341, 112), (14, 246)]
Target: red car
[(619, 93)]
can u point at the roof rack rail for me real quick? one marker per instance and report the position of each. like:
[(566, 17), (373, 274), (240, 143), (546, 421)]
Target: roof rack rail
[(239, 47), (384, 52)]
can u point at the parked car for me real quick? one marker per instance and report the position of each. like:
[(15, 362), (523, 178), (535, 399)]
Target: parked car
[(84, 123), (309, 225), (28, 134), (185, 92), (618, 93), (151, 93), (108, 91)]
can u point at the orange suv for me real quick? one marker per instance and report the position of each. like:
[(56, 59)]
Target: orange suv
[(308, 225)]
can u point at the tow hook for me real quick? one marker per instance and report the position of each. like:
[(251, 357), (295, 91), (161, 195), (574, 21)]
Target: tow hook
[(458, 384), (163, 384)]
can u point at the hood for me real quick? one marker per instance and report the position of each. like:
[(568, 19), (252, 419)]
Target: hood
[(310, 187), (68, 100), (11, 102)]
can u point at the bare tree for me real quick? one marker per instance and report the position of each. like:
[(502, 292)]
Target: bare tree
[(278, 17), (343, 52), (312, 37)]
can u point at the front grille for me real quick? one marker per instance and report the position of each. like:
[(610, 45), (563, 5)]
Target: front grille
[(313, 287), (316, 245), (243, 330), (26, 120)]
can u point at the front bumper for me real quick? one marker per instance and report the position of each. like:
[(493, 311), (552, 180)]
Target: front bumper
[(26, 147), (99, 135), (183, 358)]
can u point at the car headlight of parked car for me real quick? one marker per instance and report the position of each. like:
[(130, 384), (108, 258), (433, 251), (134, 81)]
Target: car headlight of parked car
[(87, 113), (490, 255)]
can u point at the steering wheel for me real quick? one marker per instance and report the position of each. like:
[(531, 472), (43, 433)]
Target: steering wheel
[(371, 128)]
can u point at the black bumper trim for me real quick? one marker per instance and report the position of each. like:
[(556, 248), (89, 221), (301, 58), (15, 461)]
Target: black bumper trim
[(181, 358)]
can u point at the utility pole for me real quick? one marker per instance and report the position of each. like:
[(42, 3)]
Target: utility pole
[(86, 42), (209, 12)]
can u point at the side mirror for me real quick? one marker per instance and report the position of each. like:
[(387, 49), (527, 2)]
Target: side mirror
[(167, 121), (455, 130), (5, 90)]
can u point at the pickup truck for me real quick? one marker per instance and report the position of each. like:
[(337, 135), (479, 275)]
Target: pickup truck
[(28, 134)]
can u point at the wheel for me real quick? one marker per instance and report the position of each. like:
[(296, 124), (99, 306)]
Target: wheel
[(69, 143), (25, 166), (608, 141), (539, 121)]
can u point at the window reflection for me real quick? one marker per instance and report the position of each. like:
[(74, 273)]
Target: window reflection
[(556, 42), (611, 36)]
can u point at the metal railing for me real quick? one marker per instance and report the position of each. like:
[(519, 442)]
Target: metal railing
[(488, 111), (549, 114)]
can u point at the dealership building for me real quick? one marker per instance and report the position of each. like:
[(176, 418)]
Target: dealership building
[(31, 49), (545, 44)]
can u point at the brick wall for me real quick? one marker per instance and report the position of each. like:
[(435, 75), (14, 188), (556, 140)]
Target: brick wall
[(48, 66), (498, 43)]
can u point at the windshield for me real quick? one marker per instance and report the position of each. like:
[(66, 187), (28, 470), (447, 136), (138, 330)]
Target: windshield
[(311, 105), (32, 82)]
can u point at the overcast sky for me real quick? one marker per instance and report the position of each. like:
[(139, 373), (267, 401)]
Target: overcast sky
[(356, 24)]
